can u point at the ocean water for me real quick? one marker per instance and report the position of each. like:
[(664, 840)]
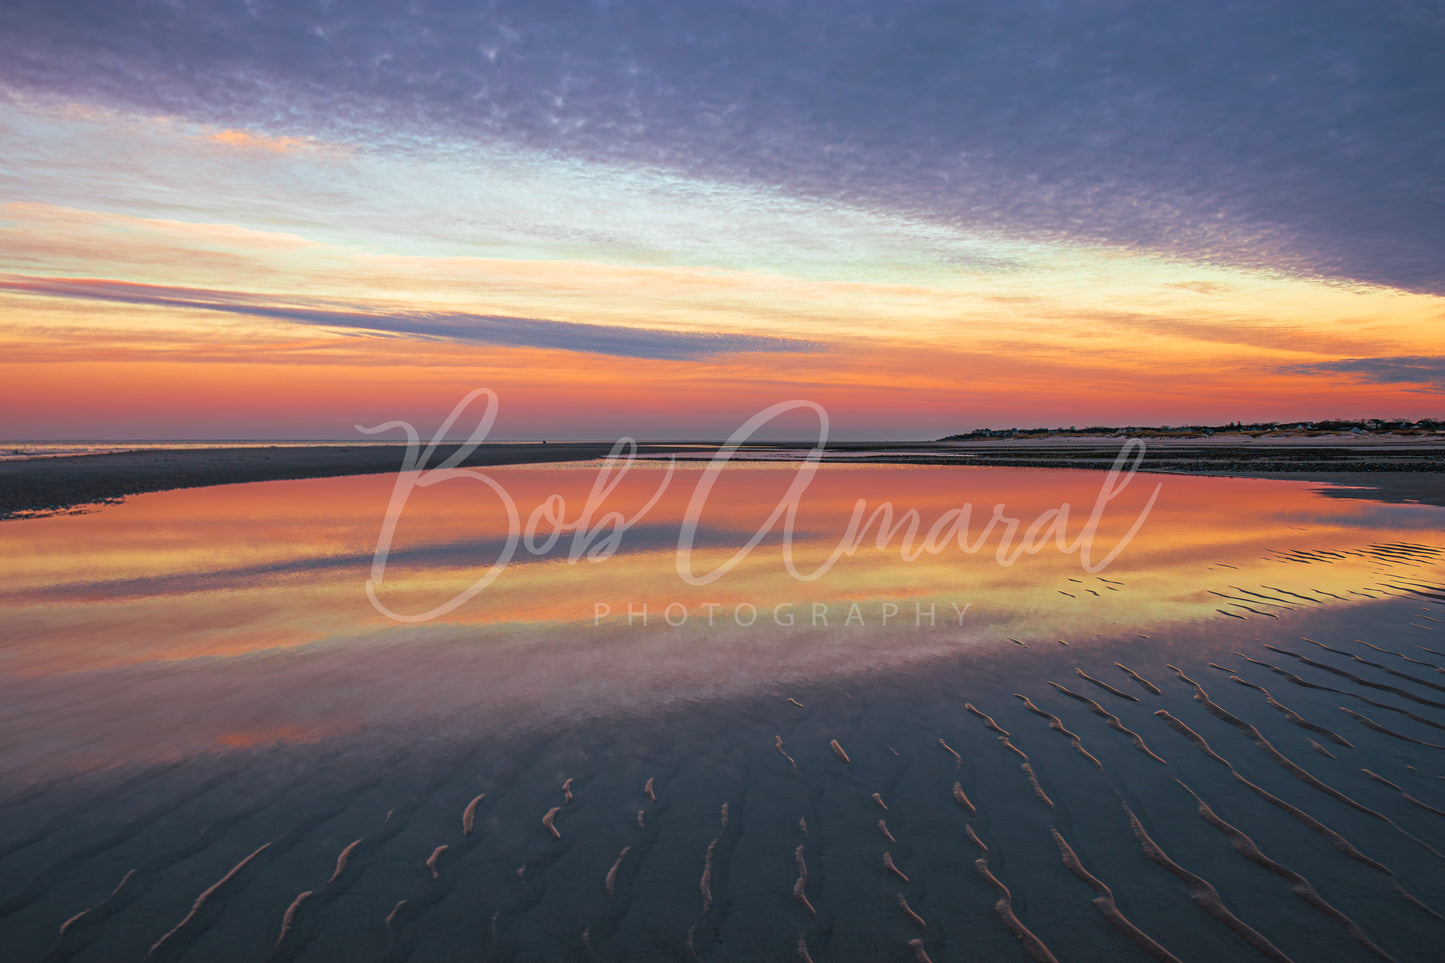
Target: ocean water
[(719, 716)]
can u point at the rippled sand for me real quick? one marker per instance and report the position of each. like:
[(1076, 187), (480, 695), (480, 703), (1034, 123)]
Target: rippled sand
[(1256, 775), (1226, 815)]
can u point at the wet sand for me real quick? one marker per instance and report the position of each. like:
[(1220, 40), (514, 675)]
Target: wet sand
[(1202, 795), (1263, 782), (59, 483), (1426, 488), (1384, 469), (1401, 471)]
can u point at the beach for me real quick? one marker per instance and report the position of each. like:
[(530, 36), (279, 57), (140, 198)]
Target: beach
[(974, 806), (1394, 469), (1223, 745), (57, 483), (659, 482)]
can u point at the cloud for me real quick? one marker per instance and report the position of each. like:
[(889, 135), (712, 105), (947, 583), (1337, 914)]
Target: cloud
[(1301, 136), (1244, 332), (618, 340), (1201, 287), (247, 140), (1406, 369)]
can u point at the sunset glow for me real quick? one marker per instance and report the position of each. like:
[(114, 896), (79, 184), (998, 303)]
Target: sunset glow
[(240, 585), (205, 265)]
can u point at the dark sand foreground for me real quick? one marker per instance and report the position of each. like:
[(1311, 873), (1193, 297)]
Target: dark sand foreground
[(1264, 783), (1236, 793)]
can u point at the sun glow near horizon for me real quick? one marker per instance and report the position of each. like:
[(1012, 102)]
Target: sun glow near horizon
[(162, 275)]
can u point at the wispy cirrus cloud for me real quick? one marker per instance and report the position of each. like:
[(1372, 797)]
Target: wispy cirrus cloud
[(1405, 369), (460, 326), (1235, 331)]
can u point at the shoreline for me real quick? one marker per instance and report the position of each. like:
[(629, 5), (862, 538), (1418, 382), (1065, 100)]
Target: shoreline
[(1399, 472), (56, 484)]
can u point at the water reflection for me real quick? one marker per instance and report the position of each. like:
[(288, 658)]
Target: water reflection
[(230, 616)]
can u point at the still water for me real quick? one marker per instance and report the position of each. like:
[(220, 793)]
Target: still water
[(202, 707)]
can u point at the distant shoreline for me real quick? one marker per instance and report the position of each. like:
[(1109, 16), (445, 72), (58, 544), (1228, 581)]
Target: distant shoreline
[(1402, 470), (59, 483)]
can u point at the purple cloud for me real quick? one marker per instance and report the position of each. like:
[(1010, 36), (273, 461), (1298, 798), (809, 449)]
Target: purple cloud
[(1301, 135), (1404, 369), (619, 340)]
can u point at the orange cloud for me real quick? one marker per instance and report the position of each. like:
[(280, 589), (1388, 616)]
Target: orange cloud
[(248, 140)]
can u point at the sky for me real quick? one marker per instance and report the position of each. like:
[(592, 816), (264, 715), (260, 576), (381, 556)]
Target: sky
[(281, 220)]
